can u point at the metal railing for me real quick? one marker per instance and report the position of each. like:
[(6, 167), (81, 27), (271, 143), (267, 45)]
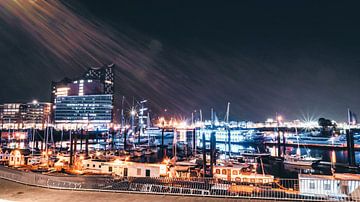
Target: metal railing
[(283, 189)]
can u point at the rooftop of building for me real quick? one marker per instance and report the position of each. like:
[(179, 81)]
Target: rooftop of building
[(85, 75), (336, 176)]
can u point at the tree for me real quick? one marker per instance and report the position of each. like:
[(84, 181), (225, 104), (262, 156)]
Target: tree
[(327, 126)]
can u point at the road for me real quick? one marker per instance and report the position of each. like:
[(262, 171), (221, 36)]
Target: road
[(11, 191)]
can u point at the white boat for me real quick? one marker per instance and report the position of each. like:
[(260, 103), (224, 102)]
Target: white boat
[(300, 160), (149, 151), (241, 173)]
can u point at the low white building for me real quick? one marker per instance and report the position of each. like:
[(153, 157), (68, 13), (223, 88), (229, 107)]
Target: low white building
[(337, 185), (124, 168), (132, 169), (96, 166)]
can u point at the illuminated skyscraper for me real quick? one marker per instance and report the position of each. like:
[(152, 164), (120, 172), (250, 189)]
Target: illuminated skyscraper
[(17, 115), (13, 115), (93, 82), (37, 114), (105, 75), (86, 101)]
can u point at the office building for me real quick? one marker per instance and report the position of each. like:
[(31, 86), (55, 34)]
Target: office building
[(37, 114), (84, 102), (13, 115), (87, 111), (20, 116)]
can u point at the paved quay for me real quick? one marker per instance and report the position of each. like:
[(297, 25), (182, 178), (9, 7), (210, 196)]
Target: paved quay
[(12, 191)]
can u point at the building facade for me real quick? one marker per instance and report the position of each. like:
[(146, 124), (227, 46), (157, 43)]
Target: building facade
[(37, 115), (19, 116), (94, 81), (13, 115), (84, 102), (1, 112), (86, 111)]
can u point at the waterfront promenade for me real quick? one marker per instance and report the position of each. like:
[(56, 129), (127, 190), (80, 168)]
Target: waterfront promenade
[(12, 191), (67, 187)]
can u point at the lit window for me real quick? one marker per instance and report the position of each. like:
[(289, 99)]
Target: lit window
[(234, 172), (138, 171), (217, 171), (223, 171), (312, 185)]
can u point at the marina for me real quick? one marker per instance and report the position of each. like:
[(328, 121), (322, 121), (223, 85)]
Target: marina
[(239, 161), (164, 155), (203, 101)]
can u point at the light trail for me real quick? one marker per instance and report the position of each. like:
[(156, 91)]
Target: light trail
[(173, 79), (80, 42)]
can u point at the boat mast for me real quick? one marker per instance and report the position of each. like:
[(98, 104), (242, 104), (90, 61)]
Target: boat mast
[(148, 123), (212, 118), (142, 118), (298, 151), (33, 140), (122, 114), (261, 162), (61, 138), (52, 137), (9, 131), (47, 137), (228, 128)]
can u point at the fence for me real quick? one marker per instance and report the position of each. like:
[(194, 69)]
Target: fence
[(284, 189)]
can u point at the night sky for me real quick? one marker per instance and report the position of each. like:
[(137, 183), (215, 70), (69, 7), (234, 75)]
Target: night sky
[(297, 58)]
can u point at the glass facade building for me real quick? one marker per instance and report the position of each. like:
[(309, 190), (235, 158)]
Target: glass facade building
[(37, 114), (93, 111), (86, 101), (31, 115), (12, 115)]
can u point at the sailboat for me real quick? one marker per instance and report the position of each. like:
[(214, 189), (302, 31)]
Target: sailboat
[(298, 159)]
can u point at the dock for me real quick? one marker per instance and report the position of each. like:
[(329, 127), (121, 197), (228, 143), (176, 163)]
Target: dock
[(313, 145)]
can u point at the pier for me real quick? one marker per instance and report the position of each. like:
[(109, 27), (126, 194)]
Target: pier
[(321, 146)]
